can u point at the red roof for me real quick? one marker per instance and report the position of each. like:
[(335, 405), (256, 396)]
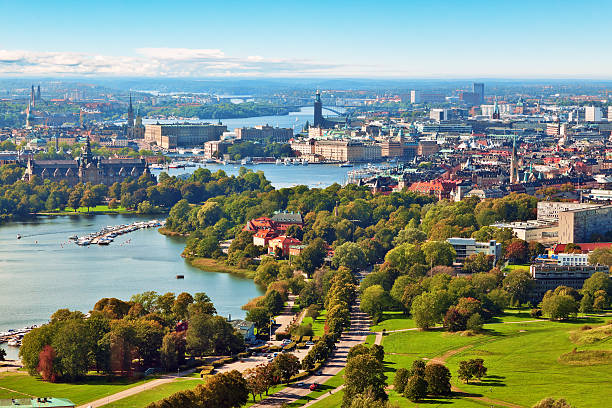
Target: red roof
[(585, 248)]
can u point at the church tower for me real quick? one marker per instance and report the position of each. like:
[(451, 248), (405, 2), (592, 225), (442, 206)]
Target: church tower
[(513, 164), (318, 110), (496, 114), (130, 115)]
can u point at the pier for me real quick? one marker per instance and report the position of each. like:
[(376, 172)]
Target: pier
[(106, 235)]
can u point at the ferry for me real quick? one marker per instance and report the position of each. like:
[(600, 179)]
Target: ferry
[(18, 236)]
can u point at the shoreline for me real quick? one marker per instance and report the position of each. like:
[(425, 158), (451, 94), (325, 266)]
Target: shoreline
[(213, 265), (169, 233)]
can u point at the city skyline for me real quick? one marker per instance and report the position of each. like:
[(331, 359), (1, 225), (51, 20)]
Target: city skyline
[(345, 39)]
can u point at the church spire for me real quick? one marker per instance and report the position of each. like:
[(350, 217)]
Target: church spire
[(130, 114)]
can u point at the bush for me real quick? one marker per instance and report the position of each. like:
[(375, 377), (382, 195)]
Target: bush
[(535, 313), (300, 376), (244, 355), (282, 336), (474, 322), (402, 376), (416, 388)]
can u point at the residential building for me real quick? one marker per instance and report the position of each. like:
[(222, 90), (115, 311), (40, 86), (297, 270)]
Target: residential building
[(427, 148), (244, 327), (391, 148), (582, 224), (281, 245), (549, 277), (469, 246), (173, 136)]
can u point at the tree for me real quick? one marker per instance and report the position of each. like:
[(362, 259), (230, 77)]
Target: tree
[(374, 301), (89, 199), (364, 372), (552, 403), (71, 345), (597, 281), (181, 303), (439, 253), (224, 390), (402, 257), (517, 283), (517, 252), (273, 302), (2, 354), (438, 379), (480, 262), (172, 352), (255, 381), (602, 256), (46, 364), (402, 375), (260, 317), (312, 257), (74, 199), (559, 307), (469, 369), (286, 365), (474, 322), (586, 303), (349, 255), (428, 308), (416, 388)]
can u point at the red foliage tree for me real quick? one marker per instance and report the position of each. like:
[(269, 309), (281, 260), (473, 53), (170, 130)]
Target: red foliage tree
[(46, 358), (517, 251)]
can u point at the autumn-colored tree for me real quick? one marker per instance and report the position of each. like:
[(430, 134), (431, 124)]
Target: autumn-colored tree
[(46, 361)]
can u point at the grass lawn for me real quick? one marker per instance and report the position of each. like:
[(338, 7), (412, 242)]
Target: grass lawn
[(318, 324), (144, 398), (271, 391), (522, 359), (393, 321), (93, 388), (212, 265), (524, 267)]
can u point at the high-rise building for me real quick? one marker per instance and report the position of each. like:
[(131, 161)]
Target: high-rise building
[(592, 114), (478, 91), (426, 97), (610, 113), (438, 114)]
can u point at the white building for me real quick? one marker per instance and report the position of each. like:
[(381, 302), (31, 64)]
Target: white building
[(592, 114), (572, 259)]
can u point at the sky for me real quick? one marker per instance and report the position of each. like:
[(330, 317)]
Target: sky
[(333, 38)]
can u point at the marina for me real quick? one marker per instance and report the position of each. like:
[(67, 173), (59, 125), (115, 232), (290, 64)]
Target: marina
[(107, 234)]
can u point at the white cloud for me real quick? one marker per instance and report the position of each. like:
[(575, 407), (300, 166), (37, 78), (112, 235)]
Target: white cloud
[(172, 62)]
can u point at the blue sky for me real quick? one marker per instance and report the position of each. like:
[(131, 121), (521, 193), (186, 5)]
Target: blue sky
[(409, 39)]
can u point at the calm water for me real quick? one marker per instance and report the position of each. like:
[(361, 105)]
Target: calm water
[(314, 175), (43, 272)]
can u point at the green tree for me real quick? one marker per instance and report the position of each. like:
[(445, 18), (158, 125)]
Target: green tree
[(312, 257), (428, 308), (416, 388), (438, 379), (363, 372), (402, 375), (349, 255), (517, 283), (286, 365), (439, 253), (374, 301), (602, 256), (553, 403), (559, 307)]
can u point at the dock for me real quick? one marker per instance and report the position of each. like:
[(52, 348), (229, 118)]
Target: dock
[(107, 234)]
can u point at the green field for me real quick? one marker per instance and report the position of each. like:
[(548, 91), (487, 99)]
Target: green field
[(318, 324), (393, 321), (95, 387), (144, 398), (522, 358)]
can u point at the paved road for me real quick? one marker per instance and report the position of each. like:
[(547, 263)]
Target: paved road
[(356, 334), (134, 390)]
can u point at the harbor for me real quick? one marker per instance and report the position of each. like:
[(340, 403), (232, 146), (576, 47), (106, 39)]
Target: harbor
[(107, 234), (13, 337)]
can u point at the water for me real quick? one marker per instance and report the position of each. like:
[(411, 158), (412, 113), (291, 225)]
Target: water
[(43, 272), (294, 120), (281, 176)]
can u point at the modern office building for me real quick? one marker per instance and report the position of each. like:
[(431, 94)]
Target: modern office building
[(544, 232), (564, 259), (438, 115), (592, 114), (580, 225), (426, 97), (549, 277), (173, 136), (478, 91), (550, 210), (469, 246)]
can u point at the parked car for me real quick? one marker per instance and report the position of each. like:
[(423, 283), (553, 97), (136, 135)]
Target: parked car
[(309, 343)]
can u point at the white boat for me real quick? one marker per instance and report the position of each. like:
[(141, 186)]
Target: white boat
[(14, 343), (279, 162), (73, 237), (345, 164)]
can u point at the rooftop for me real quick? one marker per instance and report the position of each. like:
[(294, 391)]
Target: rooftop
[(37, 402)]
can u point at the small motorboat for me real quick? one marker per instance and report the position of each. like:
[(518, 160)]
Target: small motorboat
[(180, 276), (18, 236), (73, 237)]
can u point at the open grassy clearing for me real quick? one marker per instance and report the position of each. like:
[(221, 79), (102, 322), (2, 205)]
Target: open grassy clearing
[(213, 265), (93, 388), (144, 398), (318, 324), (526, 361), (393, 321)]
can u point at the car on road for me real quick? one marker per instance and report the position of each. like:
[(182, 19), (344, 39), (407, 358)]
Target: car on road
[(313, 386), (301, 385), (309, 343)]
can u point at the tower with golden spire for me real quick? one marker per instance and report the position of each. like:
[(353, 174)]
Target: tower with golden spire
[(513, 164)]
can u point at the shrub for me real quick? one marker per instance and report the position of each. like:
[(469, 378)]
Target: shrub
[(535, 313), (416, 388), (474, 322), (402, 376)]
